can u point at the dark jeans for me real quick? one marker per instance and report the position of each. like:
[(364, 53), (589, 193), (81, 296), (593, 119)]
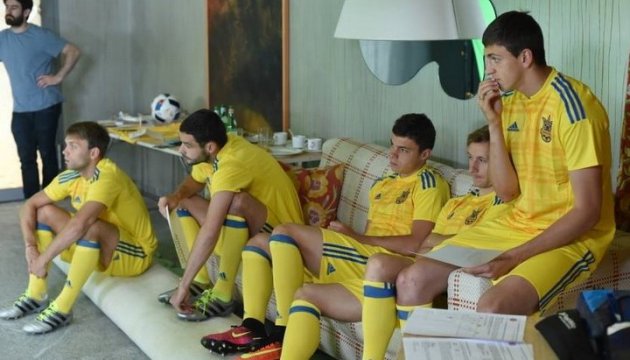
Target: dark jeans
[(33, 131)]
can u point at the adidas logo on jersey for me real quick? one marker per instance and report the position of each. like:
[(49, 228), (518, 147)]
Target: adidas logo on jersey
[(330, 269), (513, 127)]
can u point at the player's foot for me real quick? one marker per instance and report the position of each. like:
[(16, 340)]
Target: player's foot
[(24, 305), (207, 306), (49, 320), (271, 351), (237, 339), (195, 290)]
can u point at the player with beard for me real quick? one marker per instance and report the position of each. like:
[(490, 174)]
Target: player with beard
[(249, 193), (110, 231), (28, 53)]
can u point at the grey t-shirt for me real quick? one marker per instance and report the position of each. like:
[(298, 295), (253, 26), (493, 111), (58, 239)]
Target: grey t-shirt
[(27, 56)]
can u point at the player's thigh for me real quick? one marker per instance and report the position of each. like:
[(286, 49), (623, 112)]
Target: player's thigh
[(338, 300), (129, 258)]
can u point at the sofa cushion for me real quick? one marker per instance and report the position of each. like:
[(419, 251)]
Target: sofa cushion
[(319, 191)]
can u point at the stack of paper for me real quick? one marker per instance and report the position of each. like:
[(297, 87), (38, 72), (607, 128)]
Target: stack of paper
[(448, 334)]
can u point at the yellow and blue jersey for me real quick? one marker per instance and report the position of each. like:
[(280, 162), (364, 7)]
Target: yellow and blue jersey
[(110, 186), (242, 166), (463, 212), (396, 202)]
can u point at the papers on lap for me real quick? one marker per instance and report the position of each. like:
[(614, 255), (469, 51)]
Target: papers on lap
[(462, 256), (449, 334)]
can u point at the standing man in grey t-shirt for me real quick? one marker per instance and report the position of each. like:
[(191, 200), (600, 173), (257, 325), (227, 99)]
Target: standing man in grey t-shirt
[(28, 53)]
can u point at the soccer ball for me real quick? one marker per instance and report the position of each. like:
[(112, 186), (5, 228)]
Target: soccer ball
[(165, 108)]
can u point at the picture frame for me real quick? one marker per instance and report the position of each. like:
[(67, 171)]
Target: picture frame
[(248, 61)]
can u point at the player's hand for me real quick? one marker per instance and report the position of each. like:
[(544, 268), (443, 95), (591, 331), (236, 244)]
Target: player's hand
[(32, 253), (340, 227), (489, 100), (179, 299), (495, 268), (44, 81), (37, 267), (169, 200)]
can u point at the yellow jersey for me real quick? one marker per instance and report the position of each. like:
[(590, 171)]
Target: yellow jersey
[(110, 186), (561, 128), (395, 201), (242, 166), (463, 212)]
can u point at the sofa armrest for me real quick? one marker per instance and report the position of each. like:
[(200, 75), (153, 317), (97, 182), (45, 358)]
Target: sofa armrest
[(464, 290)]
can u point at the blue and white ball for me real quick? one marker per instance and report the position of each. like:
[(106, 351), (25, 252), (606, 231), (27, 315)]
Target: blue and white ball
[(165, 108)]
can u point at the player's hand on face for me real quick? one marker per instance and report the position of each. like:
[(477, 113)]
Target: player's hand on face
[(489, 100)]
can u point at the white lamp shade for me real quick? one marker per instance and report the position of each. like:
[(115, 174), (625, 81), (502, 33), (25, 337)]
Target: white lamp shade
[(410, 20)]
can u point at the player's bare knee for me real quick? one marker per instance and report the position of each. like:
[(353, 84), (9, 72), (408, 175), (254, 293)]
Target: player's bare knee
[(46, 213), (284, 229), (378, 268), (491, 304), (305, 293), (411, 283), (260, 240)]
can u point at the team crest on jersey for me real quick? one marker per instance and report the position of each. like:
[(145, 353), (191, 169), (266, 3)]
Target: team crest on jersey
[(545, 130), (401, 199), (472, 218)]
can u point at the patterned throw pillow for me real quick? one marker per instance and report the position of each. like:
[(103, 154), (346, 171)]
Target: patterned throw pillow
[(319, 191)]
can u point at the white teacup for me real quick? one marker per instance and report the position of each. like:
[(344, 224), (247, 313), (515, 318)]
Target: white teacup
[(279, 138), (314, 144), (298, 141)]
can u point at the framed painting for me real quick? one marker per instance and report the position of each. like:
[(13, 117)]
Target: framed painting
[(248, 61)]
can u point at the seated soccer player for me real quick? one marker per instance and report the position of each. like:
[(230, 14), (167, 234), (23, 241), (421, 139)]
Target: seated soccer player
[(379, 288), (326, 266), (249, 193), (550, 151), (110, 231)]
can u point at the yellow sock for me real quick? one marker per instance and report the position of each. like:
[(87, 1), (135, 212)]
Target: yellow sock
[(38, 288), (288, 273), (257, 282), (84, 262), (190, 229), (405, 310), (301, 338), (235, 234), (378, 318)]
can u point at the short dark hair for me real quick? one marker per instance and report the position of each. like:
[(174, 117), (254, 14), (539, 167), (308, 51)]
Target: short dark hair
[(205, 126), (26, 4), (95, 135), (417, 127), (516, 31), (481, 135)]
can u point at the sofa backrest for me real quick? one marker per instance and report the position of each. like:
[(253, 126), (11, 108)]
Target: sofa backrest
[(364, 163)]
